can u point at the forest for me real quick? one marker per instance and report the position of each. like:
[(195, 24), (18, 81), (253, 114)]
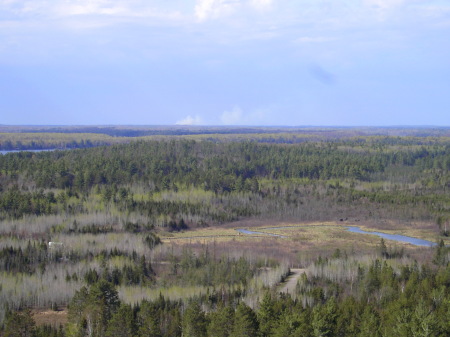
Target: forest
[(132, 232)]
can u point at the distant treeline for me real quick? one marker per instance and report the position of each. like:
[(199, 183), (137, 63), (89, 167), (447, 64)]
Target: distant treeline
[(35, 138), (141, 132), (218, 167)]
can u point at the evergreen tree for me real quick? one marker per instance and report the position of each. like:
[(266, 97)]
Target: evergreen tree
[(245, 322), (402, 327), (90, 310), (348, 320), (194, 321), (293, 324), (442, 255), (20, 324), (148, 320), (423, 321), (122, 323), (324, 319), (221, 322), (266, 315), (370, 323)]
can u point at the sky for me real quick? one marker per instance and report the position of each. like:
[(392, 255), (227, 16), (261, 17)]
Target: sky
[(225, 62)]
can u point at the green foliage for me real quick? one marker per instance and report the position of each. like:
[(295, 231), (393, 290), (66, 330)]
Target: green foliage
[(207, 271), (221, 321), (27, 260), (294, 321), (419, 306), (194, 321), (20, 324), (245, 322), (266, 315), (121, 323), (370, 323), (324, 319), (49, 331), (90, 310), (152, 240), (442, 255), (148, 320)]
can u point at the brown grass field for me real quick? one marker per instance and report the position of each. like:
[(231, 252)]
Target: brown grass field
[(304, 242), (50, 317)]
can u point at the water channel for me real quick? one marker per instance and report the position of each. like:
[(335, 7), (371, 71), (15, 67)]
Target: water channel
[(246, 231), (395, 237), (14, 151), (354, 229)]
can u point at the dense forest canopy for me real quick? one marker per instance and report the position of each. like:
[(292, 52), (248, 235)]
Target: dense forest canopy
[(386, 171)]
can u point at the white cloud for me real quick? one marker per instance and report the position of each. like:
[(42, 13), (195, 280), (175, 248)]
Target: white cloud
[(189, 120), (56, 9), (213, 9), (207, 9), (232, 117), (261, 4)]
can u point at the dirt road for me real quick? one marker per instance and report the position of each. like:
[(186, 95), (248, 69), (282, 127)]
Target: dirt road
[(289, 285)]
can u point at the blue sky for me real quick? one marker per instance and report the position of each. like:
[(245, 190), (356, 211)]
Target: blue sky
[(225, 62)]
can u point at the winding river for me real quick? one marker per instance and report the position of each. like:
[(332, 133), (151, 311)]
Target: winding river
[(395, 237), (354, 229)]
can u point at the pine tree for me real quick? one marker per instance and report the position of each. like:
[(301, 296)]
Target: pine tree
[(148, 320), (370, 323), (245, 323), (324, 319), (293, 324), (194, 321), (121, 323), (423, 321), (266, 316), (90, 310), (20, 324), (221, 322)]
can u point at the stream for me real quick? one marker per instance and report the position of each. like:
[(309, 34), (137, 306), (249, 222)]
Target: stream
[(354, 229), (246, 231), (395, 237)]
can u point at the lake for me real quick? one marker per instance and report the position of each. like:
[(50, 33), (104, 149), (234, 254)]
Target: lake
[(13, 151)]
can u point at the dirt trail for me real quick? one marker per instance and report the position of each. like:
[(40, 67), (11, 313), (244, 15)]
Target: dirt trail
[(50, 317), (289, 285)]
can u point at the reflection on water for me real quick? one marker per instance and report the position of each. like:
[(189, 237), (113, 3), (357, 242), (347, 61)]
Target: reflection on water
[(245, 231), (395, 237), (353, 229), (13, 151)]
